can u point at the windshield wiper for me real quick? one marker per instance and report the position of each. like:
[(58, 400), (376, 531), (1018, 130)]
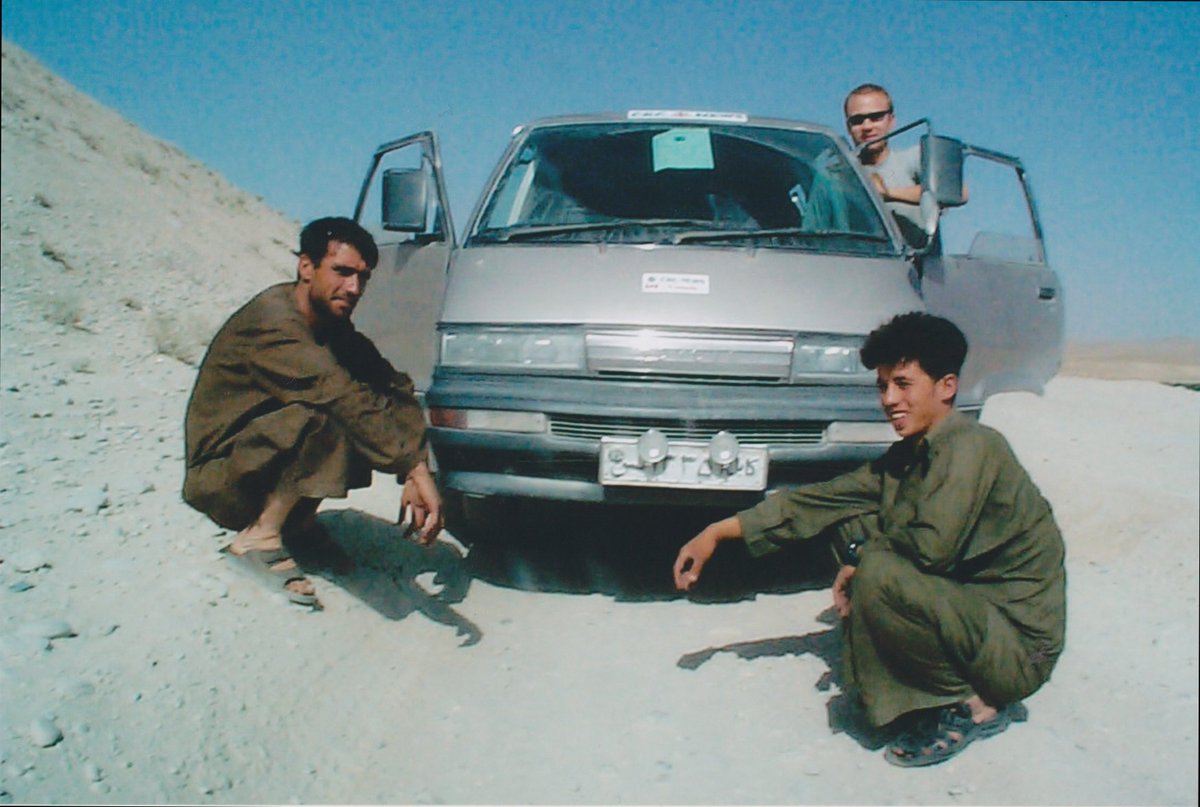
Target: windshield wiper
[(518, 233), (728, 235)]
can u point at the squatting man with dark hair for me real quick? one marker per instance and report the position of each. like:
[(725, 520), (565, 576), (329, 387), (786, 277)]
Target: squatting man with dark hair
[(951, 589), (292, 405)]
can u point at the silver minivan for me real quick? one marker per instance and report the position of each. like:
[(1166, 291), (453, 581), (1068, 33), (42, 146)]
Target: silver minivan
[(666, 306)]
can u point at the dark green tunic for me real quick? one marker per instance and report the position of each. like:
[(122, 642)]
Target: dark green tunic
[(972, 555), (276, 405)]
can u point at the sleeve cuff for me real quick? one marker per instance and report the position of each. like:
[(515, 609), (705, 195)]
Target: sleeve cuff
[(755, 528)]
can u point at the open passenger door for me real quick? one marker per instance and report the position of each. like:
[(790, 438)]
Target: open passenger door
[(987, 271), (403, 204)]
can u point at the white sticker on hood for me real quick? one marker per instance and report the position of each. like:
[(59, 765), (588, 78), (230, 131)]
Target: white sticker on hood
[(660, 283)]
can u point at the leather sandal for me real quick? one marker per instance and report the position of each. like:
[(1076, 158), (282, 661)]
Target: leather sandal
[(259, 563), (949, 735)]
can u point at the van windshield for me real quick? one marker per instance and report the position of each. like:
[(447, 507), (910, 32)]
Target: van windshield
[(638, 183)]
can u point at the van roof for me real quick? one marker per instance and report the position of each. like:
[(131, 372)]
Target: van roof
[(678, 116)]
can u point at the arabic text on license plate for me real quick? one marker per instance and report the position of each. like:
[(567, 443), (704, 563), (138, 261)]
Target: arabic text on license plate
[(687, 465)]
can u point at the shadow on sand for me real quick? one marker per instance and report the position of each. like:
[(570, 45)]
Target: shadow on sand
[(844, 711), (370, 558)]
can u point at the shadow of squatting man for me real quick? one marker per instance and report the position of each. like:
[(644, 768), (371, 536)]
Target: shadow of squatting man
[(952, 588), (293, 405)]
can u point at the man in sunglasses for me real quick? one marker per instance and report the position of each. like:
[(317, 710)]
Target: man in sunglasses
[(896, 174)]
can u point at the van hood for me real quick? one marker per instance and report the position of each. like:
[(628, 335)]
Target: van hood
[(676, 287)]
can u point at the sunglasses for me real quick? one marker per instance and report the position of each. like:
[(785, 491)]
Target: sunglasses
[(873, 117)]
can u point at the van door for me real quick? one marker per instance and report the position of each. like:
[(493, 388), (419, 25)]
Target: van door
[(403, 205), (990, 276)]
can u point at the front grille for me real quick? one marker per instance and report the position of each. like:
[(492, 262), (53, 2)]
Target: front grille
[(750, 432), (677, 355)]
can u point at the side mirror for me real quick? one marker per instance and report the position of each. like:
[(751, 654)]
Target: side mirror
[(405, 200), (942, 168), (930, 213)]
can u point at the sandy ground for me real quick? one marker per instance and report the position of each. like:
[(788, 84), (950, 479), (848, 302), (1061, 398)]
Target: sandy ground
[(1172, 361), (136, 666)]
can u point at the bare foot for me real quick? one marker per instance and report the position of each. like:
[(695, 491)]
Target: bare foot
[(256, 538), (981, 711)]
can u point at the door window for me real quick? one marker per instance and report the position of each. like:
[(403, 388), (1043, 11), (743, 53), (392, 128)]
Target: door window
[(996, 223)]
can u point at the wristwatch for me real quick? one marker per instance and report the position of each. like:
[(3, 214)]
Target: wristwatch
[(851, 556)]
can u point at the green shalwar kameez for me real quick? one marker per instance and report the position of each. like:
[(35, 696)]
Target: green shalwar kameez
[(961, 588)]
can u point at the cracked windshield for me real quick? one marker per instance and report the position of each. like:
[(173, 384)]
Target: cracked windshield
[(670, 184)]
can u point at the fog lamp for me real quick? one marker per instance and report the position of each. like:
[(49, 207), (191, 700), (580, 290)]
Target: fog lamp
[(723, 450), (652, 447)]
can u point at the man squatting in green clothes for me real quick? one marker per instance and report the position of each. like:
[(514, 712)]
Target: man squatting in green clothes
[(952, 589)]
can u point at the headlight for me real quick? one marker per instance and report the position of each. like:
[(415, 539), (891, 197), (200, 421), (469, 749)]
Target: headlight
[(513, 350), (837, 356), (852, 432)]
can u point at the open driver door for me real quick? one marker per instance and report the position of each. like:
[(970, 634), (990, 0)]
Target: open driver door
[(403, 204)]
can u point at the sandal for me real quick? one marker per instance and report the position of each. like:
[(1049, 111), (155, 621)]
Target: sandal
[(260, 563), (953, 731)]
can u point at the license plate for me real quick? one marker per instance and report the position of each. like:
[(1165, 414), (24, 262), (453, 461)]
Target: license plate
[(686, 465)]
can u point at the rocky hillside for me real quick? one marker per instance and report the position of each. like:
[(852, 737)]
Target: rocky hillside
[(121, 255), (108, 229)]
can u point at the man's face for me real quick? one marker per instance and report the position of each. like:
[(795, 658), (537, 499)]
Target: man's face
[(912, 400), (868, 116), (336, 284)]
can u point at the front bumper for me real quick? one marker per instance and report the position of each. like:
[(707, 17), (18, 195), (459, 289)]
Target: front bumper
[(562, 463)]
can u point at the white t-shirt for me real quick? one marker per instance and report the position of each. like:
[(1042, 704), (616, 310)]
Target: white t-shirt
[(901, 168)]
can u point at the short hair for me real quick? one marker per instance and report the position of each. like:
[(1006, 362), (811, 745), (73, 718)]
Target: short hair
[(934, 342), (863, 89), (316, 235)]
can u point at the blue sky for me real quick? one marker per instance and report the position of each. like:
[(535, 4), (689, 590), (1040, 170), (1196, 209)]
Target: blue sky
[(289, 99)]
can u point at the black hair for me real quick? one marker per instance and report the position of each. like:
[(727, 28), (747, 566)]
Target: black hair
[(316, 235), (933, 342)]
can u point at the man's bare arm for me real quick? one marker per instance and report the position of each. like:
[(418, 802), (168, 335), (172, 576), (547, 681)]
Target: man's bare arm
[(906, 193), (696, 552), (900, 193)]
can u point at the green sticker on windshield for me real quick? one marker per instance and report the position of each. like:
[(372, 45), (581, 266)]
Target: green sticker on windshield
[(687, 147)]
